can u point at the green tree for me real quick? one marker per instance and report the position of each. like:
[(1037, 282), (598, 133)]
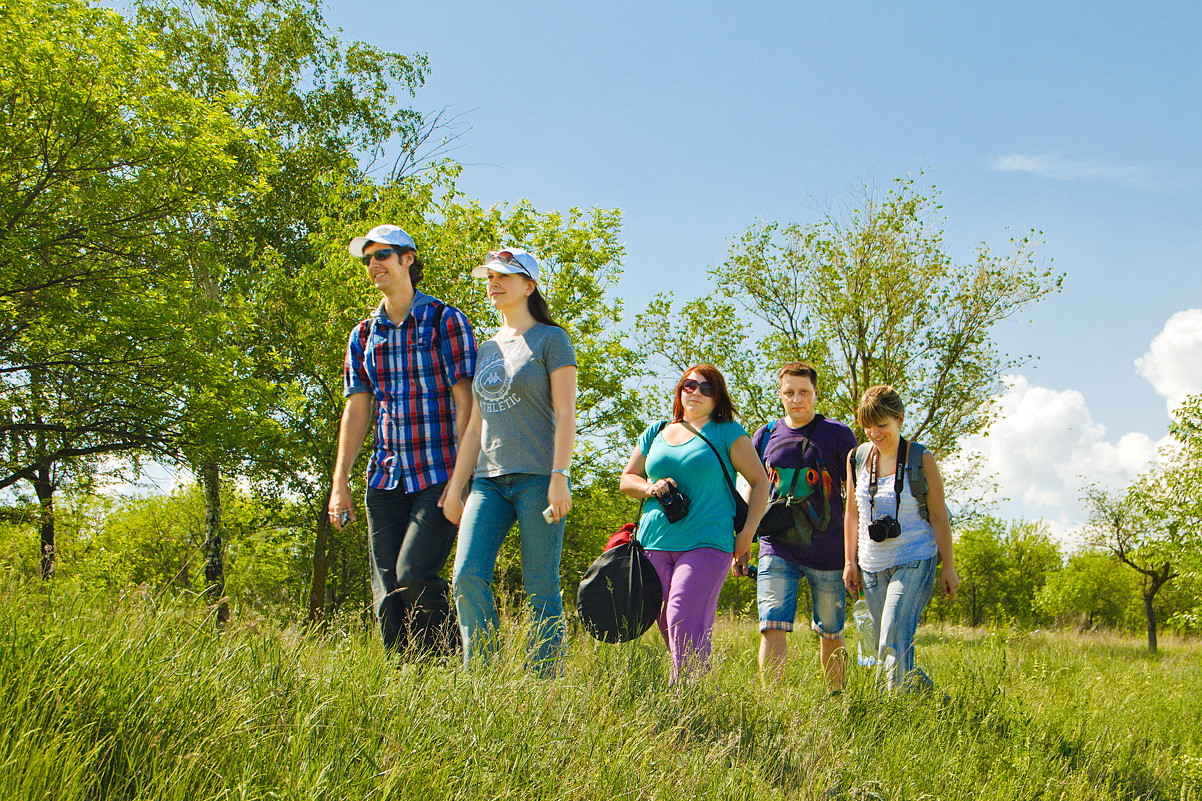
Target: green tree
[(318, 105), (1031, 557), (870, 297), (1002, 568), (1125, 524), (981, 563), (1178, 499), (1094, 589), (1154, 526), (101, 161)]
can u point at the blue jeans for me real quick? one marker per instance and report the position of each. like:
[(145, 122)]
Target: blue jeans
[(776, 596), (408, 539), (896, 597), (491, 509)]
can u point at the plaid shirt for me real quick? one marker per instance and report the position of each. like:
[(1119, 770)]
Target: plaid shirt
[(410, 370)]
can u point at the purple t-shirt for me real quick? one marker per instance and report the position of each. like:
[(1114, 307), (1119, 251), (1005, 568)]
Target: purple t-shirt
[(835, 441)]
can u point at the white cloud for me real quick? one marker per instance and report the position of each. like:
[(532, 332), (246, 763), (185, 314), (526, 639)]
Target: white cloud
[(1045, 447), (1064, 169), (1173, 363), (1072, 536)]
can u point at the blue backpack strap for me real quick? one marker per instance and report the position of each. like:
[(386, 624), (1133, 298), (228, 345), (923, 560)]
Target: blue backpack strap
[(437, 328), (767, 436)]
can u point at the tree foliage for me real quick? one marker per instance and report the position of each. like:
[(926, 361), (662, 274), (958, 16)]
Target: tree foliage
[(1002, 568), (870, 297), (1154, 526), (316, 106), (1094, 590), (101, 160)]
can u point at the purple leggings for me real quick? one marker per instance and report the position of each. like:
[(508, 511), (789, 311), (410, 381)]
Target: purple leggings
[(691, 581)]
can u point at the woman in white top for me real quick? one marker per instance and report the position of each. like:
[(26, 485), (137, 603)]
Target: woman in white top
[(892, 546)]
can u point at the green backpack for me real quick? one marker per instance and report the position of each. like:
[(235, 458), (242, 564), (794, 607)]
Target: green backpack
[(801, 498)]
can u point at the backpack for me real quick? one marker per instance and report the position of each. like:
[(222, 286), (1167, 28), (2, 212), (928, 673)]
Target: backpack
[(794, 513), (914, 475)]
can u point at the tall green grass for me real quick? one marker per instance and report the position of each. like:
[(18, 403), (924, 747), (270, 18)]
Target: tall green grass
[(141, 697)]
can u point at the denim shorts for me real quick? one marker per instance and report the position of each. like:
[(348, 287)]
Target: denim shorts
[(776, 596)]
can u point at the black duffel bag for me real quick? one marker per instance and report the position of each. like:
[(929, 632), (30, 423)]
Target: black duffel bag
[(620, 595)]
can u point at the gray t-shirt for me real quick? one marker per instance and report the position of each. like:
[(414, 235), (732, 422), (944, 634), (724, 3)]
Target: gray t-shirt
[(513, 388)]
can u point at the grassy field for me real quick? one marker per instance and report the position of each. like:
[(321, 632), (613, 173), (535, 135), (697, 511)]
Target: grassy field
[(141, 698)]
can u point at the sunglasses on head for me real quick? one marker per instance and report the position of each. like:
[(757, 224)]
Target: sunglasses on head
[(380, 255), (505, 257), (690, 385)]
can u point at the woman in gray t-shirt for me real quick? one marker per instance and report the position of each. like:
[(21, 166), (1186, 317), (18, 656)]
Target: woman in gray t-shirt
[(517, 449)]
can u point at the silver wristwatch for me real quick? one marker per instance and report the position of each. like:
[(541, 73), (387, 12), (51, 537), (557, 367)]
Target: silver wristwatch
[(563, 471)]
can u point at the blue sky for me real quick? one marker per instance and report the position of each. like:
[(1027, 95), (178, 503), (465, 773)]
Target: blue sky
[(696, 119)]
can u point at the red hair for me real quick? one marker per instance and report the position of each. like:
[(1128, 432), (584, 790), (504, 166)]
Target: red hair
[(724, 407)]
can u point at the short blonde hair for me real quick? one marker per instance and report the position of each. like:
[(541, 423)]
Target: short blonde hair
[(880, 403)]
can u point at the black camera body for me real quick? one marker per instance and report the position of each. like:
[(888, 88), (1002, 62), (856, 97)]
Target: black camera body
[(675, 504), (884, 528)]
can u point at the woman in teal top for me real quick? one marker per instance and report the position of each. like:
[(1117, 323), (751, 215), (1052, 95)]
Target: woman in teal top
[(693, 554)]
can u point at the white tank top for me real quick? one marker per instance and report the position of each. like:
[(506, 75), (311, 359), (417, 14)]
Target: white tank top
[(917, 540)]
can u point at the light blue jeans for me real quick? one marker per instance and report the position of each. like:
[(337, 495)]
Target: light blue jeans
[(896, 597), (491, 509)]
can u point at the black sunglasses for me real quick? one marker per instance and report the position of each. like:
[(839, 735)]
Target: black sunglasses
[(690, 385), (381, 255)]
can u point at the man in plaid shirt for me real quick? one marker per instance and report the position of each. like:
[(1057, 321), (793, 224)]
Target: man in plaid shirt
[(409, 366)]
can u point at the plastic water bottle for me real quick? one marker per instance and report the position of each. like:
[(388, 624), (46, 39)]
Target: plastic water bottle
[(865, 633)]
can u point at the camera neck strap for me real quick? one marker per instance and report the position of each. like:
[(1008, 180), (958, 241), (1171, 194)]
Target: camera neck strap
[(874, 461)]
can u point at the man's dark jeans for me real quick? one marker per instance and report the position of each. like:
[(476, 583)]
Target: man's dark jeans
[(409, 540)]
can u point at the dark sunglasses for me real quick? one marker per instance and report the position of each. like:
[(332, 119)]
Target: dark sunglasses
[(707, 389), (381, 255)]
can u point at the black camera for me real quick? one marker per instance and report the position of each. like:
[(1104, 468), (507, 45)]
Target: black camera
[(675, 504), (886, 528)]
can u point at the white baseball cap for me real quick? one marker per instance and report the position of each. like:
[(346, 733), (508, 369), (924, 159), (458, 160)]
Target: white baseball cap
[(513, 261), (385, 234)]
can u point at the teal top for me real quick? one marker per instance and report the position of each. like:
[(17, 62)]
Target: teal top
[(710, 522)]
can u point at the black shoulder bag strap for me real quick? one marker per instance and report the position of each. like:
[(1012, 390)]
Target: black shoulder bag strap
[(721, 463), (638, 521)]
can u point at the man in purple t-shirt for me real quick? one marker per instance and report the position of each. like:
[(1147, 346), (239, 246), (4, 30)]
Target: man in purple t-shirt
[(802, 439)]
